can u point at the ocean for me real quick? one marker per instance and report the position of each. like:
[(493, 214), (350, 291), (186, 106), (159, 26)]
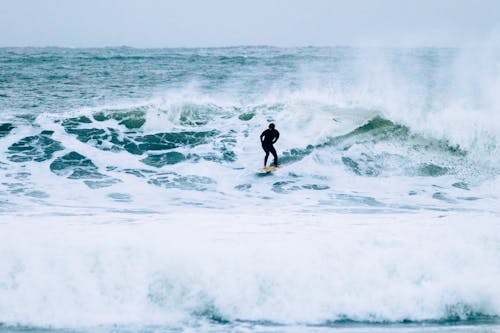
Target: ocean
[(132, 197)]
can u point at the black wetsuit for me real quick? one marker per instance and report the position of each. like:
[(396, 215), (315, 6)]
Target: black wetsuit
[(270, 137)]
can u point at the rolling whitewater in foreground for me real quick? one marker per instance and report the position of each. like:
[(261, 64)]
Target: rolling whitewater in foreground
[(132, 197)]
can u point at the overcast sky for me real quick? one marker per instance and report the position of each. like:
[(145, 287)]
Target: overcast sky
[(168, 23)]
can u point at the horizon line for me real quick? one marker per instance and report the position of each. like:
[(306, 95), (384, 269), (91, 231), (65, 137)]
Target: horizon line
[(423, 46)]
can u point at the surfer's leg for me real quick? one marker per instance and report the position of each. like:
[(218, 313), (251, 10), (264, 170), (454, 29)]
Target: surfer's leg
[(275, 155), (265, 158), (267, 150)]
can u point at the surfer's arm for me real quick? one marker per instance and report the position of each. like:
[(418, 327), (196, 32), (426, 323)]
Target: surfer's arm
[(262, 136), (276, 137)]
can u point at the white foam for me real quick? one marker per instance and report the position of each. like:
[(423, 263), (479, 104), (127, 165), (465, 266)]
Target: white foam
[(85, 271)]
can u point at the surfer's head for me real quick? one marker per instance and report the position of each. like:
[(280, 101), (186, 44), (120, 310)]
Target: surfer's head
[(271, 126)]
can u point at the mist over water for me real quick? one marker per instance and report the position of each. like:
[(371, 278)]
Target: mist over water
[(148, 162)]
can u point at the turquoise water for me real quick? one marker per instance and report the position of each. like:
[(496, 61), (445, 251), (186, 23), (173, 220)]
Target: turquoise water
[(132, 177)]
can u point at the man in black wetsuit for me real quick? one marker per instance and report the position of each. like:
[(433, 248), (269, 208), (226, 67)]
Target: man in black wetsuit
[(268, 138)]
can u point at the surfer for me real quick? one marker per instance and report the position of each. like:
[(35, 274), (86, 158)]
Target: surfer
[(268, 138)]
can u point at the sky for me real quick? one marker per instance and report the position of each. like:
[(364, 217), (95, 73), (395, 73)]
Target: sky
[(205, 23)]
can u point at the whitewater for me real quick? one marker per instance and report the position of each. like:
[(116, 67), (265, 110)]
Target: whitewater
[(132, 197)]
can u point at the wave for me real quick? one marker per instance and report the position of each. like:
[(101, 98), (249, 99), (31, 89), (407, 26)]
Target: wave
[(441, 93), (193, 125), (189, 145), (152, 272)]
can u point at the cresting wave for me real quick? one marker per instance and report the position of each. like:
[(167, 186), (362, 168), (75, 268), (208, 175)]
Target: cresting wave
[(213, 148), (230, 269)]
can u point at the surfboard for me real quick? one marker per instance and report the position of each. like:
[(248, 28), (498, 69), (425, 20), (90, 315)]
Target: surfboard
[(269, 169)]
